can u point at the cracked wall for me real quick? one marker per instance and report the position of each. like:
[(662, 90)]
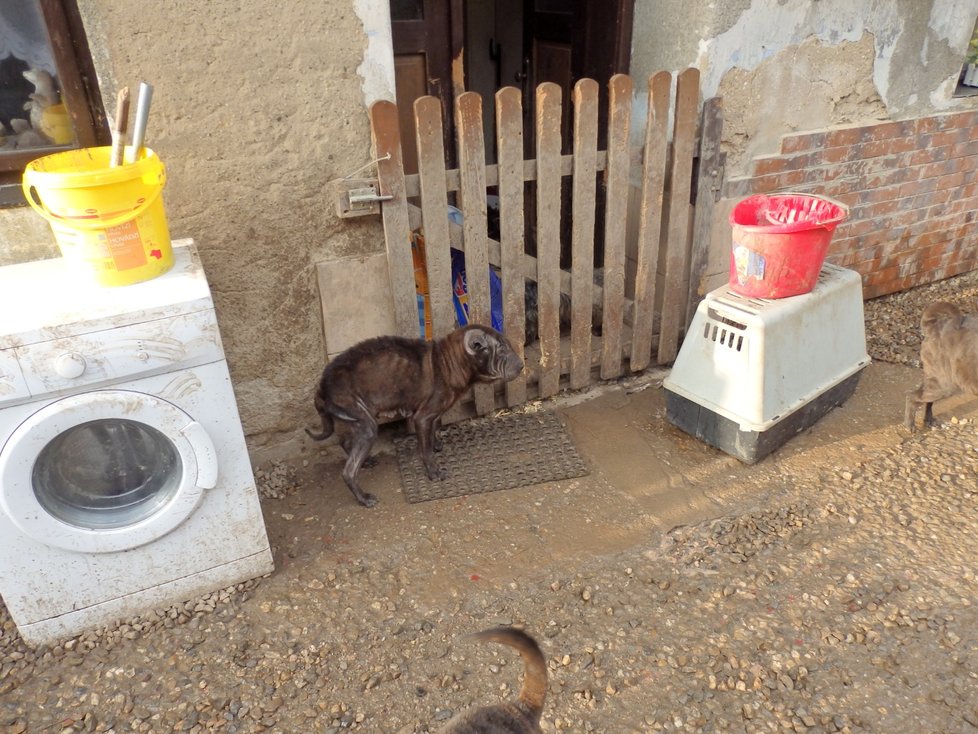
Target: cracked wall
[(793, 65)]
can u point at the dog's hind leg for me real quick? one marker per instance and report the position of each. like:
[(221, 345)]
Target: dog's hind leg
[(358, 443), (347, 443)]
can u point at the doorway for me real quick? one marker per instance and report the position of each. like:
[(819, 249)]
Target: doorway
[(445, 47)]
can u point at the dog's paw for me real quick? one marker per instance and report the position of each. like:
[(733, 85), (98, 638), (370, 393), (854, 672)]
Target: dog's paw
[(367, 499), (370, 462), (436, 474)]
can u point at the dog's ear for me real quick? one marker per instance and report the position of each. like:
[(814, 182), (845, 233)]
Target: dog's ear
[(476, 340)]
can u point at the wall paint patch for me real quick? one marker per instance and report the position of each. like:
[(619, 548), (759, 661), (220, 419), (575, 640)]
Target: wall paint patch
[(377, 68)]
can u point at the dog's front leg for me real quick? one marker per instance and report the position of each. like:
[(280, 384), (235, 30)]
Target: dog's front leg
[(910, 412), (425, 427), (926, 395), (436, 443)]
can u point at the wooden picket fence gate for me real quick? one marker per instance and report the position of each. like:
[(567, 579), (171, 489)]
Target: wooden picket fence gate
[(641, 319)]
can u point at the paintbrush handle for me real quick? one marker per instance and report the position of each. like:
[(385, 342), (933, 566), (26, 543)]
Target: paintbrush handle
[(121, 125)]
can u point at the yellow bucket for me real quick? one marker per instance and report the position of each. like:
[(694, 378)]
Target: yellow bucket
[(109, 221)]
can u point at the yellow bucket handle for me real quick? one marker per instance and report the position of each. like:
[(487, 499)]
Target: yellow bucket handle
[(30, 191)]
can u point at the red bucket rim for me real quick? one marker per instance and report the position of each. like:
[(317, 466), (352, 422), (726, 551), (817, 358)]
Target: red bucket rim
[(813, 212)]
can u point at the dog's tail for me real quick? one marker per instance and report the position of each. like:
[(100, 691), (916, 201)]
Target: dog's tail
[(325, 417), (534, 689)]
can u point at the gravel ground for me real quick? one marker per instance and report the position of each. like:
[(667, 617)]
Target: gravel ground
[(840, 600)]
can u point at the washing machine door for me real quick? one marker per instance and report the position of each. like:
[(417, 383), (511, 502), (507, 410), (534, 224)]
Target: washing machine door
[(105, 471)]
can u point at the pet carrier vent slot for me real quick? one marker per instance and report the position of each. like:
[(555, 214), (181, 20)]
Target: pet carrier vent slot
[(725, 337)]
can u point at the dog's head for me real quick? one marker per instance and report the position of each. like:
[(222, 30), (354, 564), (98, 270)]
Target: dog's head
[(491, 353), (938, 316)]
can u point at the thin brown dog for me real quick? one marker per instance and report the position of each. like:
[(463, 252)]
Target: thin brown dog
[(521, 716), (949, 354), (391, 376)]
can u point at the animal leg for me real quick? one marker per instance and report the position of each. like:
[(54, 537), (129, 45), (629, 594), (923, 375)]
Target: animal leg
[(425, 426), (361, 439), (927, 394), (347, 443), (436, 444), (929, 414)]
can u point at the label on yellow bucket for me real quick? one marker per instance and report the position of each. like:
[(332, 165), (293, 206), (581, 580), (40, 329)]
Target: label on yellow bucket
[(126, 246)]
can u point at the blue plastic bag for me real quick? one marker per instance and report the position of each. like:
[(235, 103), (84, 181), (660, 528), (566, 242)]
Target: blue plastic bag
[(460, 293)]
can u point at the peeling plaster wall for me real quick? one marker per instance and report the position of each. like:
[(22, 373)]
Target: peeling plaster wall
[(837, 89), (800, 64), (787, 66), (256, 107)]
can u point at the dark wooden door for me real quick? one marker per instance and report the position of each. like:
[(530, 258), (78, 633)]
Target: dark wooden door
[(564, 41), (568, 40), (426, 37)]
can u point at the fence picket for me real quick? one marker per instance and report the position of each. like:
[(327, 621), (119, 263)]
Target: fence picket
[(472, 166), (582, 234), (434, 212), (616, 212), (548, 110), (650, 218), (386, 136), (509, 146), (677, 253)]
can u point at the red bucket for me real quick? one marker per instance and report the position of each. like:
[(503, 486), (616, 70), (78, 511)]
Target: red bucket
[(780, 242)]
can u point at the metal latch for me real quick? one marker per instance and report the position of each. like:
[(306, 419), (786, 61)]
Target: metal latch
[(355, 197)]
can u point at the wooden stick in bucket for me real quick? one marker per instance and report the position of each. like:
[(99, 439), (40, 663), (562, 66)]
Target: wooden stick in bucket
[(120, 127)]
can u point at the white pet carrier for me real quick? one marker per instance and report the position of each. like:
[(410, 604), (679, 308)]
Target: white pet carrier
[(753, 372)]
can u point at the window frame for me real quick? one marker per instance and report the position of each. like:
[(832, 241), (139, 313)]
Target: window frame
[(79, 92)]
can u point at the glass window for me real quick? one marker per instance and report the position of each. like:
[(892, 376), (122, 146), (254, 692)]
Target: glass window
[(106, 474), (47, 98), (32, 112), (968, 79)]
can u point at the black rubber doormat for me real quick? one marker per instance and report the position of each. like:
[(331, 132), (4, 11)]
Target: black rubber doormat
[(489, 454)]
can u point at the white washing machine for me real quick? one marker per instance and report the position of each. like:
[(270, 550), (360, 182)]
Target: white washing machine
[(125, 482)]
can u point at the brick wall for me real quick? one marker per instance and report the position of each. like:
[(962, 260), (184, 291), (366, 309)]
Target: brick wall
[(912, 190)]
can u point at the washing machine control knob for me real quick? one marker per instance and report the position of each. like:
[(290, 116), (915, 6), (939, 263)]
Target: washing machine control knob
[(70, 365)]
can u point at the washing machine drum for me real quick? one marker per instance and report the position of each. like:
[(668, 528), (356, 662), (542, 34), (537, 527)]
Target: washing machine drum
[(106, 474), (105, 471)]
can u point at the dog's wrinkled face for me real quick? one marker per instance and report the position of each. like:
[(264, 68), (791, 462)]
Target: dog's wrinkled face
[(492, 354)]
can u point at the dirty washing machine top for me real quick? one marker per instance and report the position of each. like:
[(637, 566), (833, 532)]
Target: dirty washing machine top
[(68, 304)]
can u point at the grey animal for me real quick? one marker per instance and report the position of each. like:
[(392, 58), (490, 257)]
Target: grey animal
[(531, 306), (397, 377), (521, 716), (949, 353)]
